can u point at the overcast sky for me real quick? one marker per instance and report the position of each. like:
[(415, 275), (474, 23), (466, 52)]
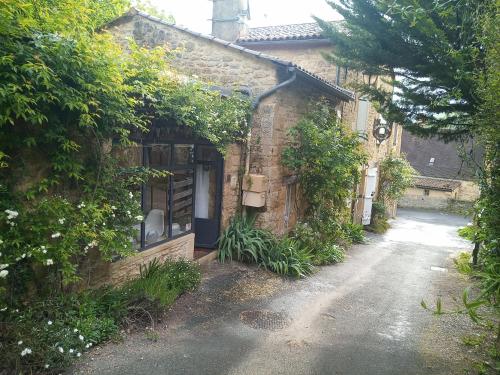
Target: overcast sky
[(195, 14)]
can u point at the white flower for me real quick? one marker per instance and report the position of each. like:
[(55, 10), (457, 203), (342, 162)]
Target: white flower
[(3, 309), (49, 262), (128, 213), (44, 251), (113, 215), (81, 337), (55, 235), (71, 350), (130, 194), (62, 220), (75, 330), (81, 205), (11, 214), (113, 208), (46, 365), (12, 224), (3, 266), (49, 322), (1, 242), (61, 350), (78, 354), (3, 274), (25, 351), (88, 345), (20, 342), (23, 256), (139, 217)]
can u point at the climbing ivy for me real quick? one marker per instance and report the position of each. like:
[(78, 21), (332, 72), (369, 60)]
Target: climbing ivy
[(68, 97)]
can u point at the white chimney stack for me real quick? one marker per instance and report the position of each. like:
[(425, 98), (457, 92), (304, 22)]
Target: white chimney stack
[(229, 19)]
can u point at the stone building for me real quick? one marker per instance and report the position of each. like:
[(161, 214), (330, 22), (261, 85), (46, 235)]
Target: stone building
[(444, 180), (188, 210)]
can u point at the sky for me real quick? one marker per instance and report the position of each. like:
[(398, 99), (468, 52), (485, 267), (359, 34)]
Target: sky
[(195, 14)]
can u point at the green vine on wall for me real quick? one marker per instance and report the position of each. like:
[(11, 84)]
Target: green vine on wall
[(65, 93)]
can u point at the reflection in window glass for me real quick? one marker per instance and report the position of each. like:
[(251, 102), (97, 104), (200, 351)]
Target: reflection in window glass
[(155, 207), (158, 156), (182, 202), (183, 154), (205, 191)]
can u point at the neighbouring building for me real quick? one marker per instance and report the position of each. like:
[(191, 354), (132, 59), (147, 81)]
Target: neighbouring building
[(444, 180), (188, 210)]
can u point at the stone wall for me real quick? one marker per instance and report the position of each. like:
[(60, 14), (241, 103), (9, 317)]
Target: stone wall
[(193, 55), (309, 54), (464, 195), (102, 273)]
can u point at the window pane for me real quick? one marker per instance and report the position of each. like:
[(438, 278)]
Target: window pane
[(182, 202), (158, 156), (183, 154), (155, 199), (206, 184), (362, 116)]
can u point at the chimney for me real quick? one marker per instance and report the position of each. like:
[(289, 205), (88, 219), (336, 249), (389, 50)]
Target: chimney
[(229, 19)]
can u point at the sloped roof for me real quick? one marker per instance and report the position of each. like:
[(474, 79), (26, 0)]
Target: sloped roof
[(446, 162), (325, 84), (299, 31), (435, 183)]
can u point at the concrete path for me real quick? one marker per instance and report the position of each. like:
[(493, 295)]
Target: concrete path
[(359, 317)]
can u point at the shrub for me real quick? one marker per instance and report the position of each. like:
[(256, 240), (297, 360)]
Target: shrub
[(243, 241), (355, 232), (47, 335), (328, 254), (379, 222), (162, 283), (287, 257)]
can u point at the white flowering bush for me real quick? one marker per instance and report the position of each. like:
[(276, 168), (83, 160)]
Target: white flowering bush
[(49, 335)]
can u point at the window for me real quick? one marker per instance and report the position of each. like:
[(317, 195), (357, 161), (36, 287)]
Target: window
[(167, 202), (426, 192)]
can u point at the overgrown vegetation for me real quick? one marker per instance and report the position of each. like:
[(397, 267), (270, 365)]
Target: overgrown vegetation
[(50, 333), (327, 159), (449, 88), (69, 97)]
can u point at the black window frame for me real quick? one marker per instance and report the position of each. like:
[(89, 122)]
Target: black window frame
[(171, 167)]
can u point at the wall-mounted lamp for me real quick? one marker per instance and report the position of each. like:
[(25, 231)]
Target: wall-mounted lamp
[(381, 129)]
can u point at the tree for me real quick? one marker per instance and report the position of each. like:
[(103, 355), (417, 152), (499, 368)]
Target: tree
[(431, 51)]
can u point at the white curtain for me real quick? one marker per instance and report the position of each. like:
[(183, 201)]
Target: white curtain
[(201, 197)]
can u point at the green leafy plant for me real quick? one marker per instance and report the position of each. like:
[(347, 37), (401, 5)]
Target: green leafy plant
[(50, 333), (463, 263), (243, 241), (287, 257), (396, 176), (355, 232), (328, 254)]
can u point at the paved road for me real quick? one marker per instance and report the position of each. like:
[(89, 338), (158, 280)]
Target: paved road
[(359, 317)]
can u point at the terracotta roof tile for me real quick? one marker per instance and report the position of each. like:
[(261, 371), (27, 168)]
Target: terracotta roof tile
[(435, 183), (300, 31)]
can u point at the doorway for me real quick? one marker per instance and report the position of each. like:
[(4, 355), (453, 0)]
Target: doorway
[(208, 196)]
